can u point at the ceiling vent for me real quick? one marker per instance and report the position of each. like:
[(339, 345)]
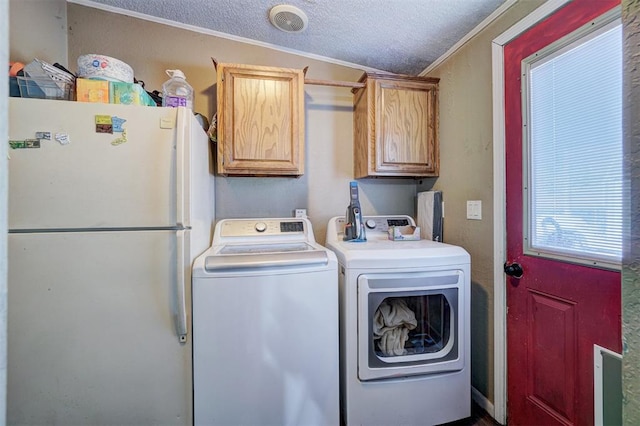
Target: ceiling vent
[(288, 18)]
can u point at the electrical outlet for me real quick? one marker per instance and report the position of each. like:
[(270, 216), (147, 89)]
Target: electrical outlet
[(300, 213)]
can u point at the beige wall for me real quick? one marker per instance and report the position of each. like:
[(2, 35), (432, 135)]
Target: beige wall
[(38, 29), (466, 164), (152, 48)]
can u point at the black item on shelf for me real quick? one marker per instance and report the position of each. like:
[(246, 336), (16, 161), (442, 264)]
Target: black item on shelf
[(61, 67)]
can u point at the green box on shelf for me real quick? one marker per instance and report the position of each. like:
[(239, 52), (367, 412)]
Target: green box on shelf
[(129, 94)]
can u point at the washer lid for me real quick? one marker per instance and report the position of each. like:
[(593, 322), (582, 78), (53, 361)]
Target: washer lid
[(265, 248), (265, 260), (236, 256)]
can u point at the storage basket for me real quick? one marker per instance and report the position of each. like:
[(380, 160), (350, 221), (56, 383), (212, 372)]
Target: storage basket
[(44, 88)]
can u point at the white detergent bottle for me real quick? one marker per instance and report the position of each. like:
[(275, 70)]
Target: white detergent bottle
[(176, 91)]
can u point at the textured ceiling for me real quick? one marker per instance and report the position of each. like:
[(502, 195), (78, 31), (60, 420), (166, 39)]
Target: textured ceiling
[(399, 36)]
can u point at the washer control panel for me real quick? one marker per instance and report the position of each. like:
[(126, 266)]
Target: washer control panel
[(378, 224), (230, 228)]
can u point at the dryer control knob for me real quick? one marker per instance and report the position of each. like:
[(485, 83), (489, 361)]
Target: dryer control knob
[(371, 223), (261, 226)]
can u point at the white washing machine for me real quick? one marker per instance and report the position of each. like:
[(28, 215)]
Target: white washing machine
[(404, 327), (265, 326)]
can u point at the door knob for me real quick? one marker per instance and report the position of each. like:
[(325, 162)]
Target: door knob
[(513, 270)]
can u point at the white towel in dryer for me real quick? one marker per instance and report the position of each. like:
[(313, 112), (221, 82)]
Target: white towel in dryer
[(391, 324)]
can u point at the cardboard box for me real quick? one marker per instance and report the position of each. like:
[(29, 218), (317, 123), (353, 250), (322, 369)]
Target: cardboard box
[(404, 233), (129, 94), (88, 90)]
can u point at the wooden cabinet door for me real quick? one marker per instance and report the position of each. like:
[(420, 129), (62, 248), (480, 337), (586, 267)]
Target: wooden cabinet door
[(396, 132), (260, 121)]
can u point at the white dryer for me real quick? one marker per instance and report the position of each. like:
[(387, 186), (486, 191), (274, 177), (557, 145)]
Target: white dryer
[(265, 326), (404, 327)]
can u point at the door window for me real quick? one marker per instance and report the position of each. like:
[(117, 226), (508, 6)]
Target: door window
[(572, 110)]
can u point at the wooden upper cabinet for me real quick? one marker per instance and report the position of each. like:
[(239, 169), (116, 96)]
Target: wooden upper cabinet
[(396, 126), (260, 120)]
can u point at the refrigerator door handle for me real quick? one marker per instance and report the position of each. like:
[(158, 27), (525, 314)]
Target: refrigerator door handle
[(182, 242), (183, 158)]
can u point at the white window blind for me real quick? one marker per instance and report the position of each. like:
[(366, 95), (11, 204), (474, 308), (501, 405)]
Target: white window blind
[(575, 149)]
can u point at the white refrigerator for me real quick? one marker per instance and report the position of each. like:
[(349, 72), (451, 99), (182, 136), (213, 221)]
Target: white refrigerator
[(103, 230)]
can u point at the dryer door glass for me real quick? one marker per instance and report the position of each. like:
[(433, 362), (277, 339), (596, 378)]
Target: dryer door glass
[(411, 325)]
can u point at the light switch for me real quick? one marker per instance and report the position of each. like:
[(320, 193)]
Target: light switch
[(474, 209)]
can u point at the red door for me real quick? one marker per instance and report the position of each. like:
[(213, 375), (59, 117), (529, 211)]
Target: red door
[(557, 311)]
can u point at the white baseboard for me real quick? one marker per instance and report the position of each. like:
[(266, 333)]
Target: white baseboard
[(483, 402)]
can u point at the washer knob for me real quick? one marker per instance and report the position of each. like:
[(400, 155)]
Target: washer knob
[(370, 223), (261, 227)]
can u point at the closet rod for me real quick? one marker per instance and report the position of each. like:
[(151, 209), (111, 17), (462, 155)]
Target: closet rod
[(335, 83), (357, 85)]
